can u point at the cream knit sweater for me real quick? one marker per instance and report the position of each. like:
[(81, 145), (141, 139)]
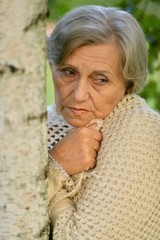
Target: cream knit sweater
[(120, 198)]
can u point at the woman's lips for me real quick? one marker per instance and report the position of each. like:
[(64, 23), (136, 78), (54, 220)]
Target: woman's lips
[(78, 111)]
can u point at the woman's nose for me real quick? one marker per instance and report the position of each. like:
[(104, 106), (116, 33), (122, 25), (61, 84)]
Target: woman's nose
[(81, 91)]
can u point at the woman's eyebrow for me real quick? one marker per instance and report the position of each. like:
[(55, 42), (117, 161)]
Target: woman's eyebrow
[(67, 65), (102, 72)]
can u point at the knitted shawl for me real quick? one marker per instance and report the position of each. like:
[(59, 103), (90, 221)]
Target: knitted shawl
[(120, 198)]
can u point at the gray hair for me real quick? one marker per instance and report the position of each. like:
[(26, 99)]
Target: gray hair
[(93, 24)]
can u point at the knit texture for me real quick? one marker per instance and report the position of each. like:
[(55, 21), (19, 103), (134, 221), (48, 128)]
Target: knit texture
[(120, 198)]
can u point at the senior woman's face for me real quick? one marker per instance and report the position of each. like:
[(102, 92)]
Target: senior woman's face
[(89, 84)]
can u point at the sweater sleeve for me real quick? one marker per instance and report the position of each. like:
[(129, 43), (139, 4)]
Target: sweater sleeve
[(120, 197)]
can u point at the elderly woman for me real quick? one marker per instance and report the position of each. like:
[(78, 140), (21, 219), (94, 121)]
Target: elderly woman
[(104, 141)]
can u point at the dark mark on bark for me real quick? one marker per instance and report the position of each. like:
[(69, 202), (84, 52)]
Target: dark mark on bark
[(37, 117), (12, 68), (35, 20)]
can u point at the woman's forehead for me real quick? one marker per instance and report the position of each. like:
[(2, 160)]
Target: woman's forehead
[(95, 54)]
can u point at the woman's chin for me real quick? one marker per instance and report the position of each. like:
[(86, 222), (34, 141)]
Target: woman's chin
[(78, 122)]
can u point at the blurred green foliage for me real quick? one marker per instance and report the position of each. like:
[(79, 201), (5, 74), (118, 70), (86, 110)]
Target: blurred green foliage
[(147, 14)]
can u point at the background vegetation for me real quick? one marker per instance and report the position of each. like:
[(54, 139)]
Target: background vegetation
[(147, 14)]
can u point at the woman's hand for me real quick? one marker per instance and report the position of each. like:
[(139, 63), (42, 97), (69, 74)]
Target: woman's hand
[(77, 151)]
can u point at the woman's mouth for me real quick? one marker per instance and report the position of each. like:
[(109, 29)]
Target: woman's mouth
[(78, 111)]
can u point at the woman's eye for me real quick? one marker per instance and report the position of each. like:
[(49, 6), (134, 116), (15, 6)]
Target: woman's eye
[(101, 81), (68, 72)]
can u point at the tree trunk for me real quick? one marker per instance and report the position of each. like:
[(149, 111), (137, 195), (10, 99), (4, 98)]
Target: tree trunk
[(23, 154)]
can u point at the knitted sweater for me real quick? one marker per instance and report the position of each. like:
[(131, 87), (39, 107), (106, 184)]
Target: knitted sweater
[(120, 198)]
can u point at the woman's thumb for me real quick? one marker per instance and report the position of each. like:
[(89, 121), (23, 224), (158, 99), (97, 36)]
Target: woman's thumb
[(96, 124), (93, 125)]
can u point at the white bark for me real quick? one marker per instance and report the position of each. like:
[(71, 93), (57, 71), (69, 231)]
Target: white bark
[(23, 184)]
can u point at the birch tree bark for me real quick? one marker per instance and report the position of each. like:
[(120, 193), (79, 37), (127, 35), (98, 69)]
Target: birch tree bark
[(23, 184)]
